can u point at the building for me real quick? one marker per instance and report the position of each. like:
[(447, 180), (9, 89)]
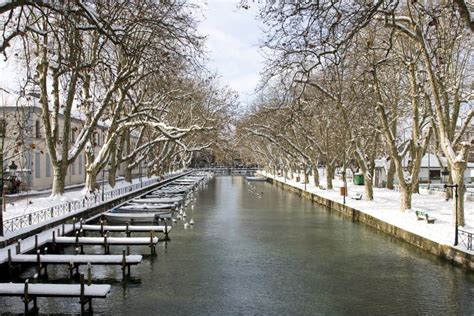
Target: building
[(430, 171), (25, 145)]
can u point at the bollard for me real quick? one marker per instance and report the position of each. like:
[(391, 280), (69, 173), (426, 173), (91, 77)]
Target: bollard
[(124, 263), (10, 265)]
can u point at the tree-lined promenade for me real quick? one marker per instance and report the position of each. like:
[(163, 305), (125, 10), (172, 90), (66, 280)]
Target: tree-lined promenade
[(347, 83), (133, 67)]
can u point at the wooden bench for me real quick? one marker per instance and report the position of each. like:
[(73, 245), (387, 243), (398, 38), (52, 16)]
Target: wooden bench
[(421, 215), (358, 197)]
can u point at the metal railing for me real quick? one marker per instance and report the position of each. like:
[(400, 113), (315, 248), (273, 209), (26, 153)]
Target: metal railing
[(465, 238), (22, 221)]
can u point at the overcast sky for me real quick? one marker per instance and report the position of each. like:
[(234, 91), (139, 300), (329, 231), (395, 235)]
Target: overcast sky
[(232, 44)]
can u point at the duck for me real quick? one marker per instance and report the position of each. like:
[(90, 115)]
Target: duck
[(186, 225), (184, 214), (174, 220), (191, 222)]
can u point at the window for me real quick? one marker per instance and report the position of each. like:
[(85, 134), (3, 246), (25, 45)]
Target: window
[(37, 129), (79, 163), (37, 165), (48, 166)]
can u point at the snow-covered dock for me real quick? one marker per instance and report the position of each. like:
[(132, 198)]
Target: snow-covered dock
[(30, 292), (127, 228), (106, 241)]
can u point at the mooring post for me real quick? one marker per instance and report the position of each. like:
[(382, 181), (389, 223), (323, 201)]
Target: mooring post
[(152, 246), (166, 231), (74, 224), (89, 273), (105, 243), (38, 262), (128, 254), (26, 298), (18, 247), (45, 251), (124, 263), (102, 227), (10, 265), (83, 300), (127, 231), (36, 242), (64, 229), (54, 240), (71, 269)]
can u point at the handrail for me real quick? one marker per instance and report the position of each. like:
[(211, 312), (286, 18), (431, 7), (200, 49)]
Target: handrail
[(36, 217)]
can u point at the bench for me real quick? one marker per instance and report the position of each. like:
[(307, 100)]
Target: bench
[(421, 215), (358, 197), (322, 187)]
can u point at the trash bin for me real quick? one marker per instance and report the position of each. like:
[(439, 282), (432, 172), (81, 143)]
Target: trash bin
[(343, 191), (358, 179), (297, 178)]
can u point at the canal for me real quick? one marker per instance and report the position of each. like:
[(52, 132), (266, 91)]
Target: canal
[(256, 249)]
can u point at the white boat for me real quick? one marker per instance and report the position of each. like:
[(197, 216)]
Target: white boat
[(142, 208), (149, 217), (153, 200), (256, 178)]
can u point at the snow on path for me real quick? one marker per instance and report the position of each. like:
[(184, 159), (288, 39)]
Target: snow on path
[(33, 204), (386, 207)]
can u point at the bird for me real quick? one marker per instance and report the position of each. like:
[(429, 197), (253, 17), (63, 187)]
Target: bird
[(191, 222), (184, 214), (192, 206), (186, 225), (181, 212), (174, 220)]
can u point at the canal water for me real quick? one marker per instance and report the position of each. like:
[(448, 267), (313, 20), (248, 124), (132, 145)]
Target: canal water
[(256, 249)]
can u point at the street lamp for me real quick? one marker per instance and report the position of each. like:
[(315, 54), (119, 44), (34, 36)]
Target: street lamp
[(455, 186)]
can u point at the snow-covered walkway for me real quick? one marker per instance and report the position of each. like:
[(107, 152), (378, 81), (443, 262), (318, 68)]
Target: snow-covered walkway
[(386, 207)]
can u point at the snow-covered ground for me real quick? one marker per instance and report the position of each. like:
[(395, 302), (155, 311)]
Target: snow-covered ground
[(32, 204), (386, 207)]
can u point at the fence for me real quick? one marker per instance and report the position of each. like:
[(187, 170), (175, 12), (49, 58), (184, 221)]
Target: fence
[(465, 238), (22, 221)]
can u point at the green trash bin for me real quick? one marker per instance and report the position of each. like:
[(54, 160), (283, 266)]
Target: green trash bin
[(359, 179)]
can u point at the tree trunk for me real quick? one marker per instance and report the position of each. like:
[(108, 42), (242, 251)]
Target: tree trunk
[(329, 176), (306, 177), (112, 176), (91, 180), (458, 178), (369, 188), (59, 181), (316, 176), (128, 174), (391, 175), (405, 197)]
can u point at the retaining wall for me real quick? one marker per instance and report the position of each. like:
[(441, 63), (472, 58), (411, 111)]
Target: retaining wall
[(446, 252)]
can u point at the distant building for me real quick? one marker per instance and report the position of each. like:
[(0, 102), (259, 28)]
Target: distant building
[(25, 144)]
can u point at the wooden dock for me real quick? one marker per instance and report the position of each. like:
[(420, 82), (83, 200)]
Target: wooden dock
[(73, 261), (30, 292), (106, 241)]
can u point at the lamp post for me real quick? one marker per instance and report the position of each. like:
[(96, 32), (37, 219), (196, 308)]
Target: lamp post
[(455, 186)]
